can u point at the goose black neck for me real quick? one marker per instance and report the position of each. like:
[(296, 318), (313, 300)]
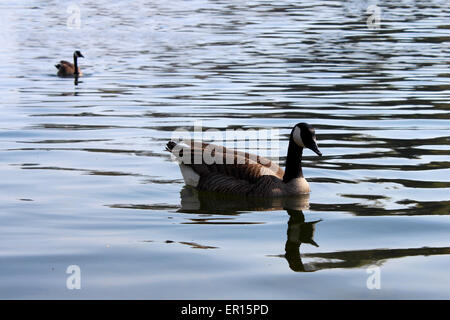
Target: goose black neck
[(293, 162), (75, 63)]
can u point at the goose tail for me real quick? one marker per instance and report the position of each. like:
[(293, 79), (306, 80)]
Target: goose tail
[(57, 66), (170, 145)]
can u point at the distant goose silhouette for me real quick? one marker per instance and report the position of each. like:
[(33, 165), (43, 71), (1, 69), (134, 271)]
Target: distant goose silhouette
[(67, 69), (246, 174)]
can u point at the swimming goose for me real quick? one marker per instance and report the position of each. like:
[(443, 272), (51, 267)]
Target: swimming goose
[(67, 69), (235, 172)]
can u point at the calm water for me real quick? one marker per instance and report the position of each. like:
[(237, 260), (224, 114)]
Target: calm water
[(85, 180)]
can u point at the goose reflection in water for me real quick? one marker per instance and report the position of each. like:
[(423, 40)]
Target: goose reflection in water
[(298, 231), (194, 201)]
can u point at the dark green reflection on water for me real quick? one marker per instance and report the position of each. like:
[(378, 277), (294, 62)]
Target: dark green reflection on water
[(193, 201), (299, 231)]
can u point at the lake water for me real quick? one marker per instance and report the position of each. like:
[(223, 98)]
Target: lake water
[(85, 180)]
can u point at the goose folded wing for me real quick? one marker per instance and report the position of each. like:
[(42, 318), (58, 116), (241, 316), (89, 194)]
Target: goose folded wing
[(67, 65), (206, 159)]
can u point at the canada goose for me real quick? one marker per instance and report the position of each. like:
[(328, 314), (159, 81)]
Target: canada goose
[(245, 174), (67, 69)]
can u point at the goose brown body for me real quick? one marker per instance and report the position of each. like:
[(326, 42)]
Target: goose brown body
[(67, 69), (236, 172)]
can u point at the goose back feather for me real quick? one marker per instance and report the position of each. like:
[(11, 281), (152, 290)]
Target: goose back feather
[(66, 69), (228, 162)]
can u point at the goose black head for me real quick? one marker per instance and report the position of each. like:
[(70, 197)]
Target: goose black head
[(78, 54), (304, 135)]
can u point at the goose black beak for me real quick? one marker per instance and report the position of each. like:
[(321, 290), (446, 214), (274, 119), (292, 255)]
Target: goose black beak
[(315, 148), (81, 56)]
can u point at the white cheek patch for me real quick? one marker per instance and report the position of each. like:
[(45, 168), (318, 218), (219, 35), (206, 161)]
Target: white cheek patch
[(297, 137)]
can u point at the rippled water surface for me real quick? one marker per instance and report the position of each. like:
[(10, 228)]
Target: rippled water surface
[(85, 179)]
